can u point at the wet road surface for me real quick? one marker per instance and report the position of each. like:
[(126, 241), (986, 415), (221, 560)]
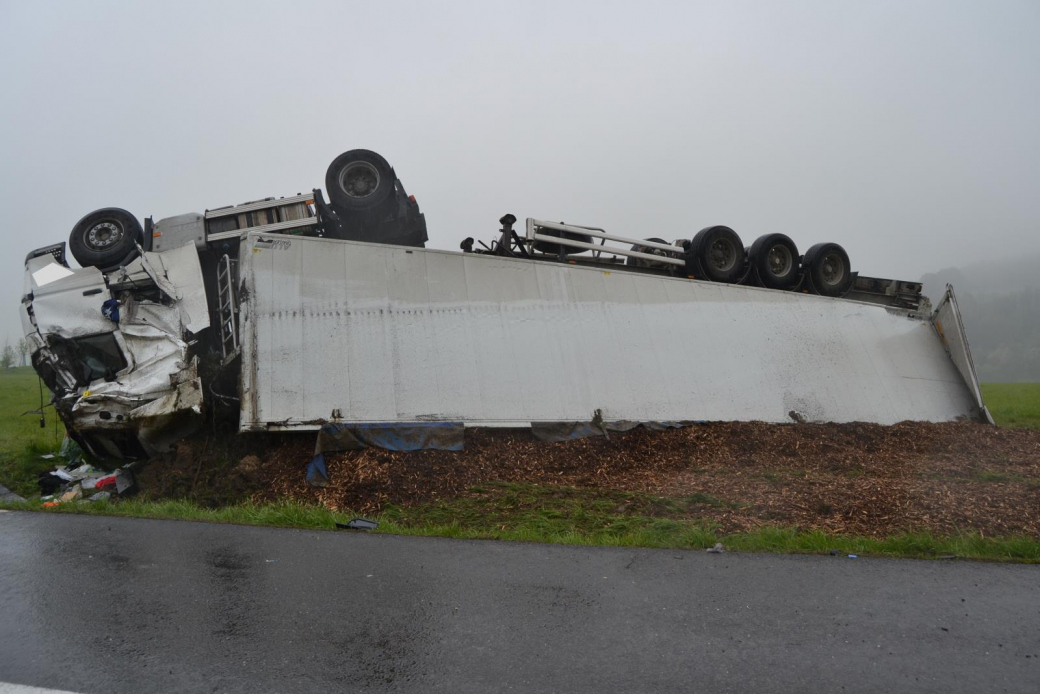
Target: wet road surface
[(92, 604)]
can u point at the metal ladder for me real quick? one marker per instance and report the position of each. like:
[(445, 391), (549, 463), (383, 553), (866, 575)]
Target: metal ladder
[(227, 309)]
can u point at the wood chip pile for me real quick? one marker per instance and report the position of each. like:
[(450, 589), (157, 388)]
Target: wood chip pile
[(844, 478)]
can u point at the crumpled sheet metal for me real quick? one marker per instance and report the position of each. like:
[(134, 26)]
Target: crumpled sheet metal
[(441, 436), (159, 360), (161, 385), (178, 274), (69, 306), (565, 431)]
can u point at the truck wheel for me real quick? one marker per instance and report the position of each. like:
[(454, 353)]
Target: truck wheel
[(720, 252), (775, 257), (359, 180), (640, 262), (105, 238), (828, 267)]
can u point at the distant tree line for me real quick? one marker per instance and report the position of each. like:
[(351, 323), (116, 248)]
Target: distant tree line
[(17, 355)]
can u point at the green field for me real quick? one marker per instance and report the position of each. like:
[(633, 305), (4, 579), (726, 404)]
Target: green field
[(22, 441), (1013, 404)]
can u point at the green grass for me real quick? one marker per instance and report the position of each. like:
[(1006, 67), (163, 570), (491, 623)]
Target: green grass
[(22, 441), (1013, 404), (573, 517)]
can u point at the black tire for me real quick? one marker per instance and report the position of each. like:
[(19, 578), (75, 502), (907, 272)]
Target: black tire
[(775, 259), (105, 238), (554, 248), (359, 180), (829, 269), (720, 254), (640, 262)]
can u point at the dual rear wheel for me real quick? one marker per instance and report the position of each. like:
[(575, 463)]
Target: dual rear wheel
[(773, 259)]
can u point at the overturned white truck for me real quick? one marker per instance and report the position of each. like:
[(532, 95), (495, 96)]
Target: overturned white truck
[(296, 313)]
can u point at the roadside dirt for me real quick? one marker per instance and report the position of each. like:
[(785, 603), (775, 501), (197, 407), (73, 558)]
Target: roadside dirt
[(849, 478)]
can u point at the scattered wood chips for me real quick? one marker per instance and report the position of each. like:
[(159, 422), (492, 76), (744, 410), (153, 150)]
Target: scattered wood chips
[(843, 478)]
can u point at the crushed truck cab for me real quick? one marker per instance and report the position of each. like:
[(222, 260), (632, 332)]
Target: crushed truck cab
[(123, 376)]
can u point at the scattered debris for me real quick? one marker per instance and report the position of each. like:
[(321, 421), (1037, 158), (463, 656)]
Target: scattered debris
[(853, 556), (358, 524), (65, 485), (70, 451), (835, 552), (717, 549)]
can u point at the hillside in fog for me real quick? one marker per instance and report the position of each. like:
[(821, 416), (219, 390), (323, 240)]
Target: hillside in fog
[(1000, 302)]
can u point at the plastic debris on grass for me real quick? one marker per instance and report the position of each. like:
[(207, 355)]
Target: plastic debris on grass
[(84, 483)]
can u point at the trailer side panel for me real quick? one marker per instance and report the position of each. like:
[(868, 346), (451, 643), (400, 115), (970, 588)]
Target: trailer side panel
[(358, 332)]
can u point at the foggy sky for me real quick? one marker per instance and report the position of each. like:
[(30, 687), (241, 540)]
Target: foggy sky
[(906, 131)]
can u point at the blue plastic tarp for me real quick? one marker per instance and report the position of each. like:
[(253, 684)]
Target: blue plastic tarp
[(441, 436)]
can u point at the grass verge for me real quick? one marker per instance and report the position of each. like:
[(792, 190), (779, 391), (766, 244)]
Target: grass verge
[(574, 517), (1013, 404), (22, 441)]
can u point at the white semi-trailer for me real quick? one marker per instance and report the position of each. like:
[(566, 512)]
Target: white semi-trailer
[(294, 313)]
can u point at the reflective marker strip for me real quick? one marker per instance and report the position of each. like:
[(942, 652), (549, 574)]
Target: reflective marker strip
[(8, 688)]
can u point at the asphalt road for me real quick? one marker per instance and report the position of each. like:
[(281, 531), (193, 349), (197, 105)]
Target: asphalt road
[(93, 604)]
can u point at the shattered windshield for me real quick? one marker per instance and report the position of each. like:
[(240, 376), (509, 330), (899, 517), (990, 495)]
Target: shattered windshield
[(100, 355)]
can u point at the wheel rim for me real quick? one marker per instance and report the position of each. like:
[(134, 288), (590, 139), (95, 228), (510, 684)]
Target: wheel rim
[(722, 254), (779, 260), (359, 180), (832, 269), (104, 235)]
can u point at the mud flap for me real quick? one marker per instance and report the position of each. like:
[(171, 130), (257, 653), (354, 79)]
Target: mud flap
[(948, 323)]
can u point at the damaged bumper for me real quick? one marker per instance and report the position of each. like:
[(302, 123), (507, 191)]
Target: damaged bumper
[(115, 348)]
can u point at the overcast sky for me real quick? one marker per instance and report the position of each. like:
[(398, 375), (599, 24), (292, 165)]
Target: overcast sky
[(909, 132)]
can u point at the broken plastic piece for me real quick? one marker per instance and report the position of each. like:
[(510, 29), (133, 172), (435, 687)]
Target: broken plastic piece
[(717, 549), (70, 451), (100, 496), (124, 482), (358, 524), (106, 483)]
